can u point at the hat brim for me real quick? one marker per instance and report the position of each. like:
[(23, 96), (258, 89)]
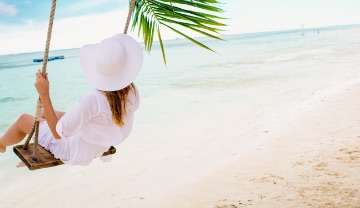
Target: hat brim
[(122, 78)]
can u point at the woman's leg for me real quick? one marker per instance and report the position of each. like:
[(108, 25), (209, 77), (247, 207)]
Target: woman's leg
[(17, 132)]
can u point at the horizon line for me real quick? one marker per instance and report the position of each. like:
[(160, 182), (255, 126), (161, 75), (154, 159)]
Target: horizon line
[(232, 34)]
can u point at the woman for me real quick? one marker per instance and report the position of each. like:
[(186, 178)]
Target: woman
[(103, 118)]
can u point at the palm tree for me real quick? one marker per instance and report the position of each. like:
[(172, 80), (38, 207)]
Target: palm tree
[(196, 15)]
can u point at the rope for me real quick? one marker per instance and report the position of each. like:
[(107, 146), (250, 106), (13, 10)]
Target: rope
[(43, 71), (131, 9), (36, 140), (26, 145), (52, 14)]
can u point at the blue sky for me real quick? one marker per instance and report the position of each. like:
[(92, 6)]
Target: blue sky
[(19, 11), (23, 23)]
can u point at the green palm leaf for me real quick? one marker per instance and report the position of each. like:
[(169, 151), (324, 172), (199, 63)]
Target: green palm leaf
[(196, 15)]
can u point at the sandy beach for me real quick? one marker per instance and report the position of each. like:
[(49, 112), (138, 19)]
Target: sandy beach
[(310, 157), (313, 163)]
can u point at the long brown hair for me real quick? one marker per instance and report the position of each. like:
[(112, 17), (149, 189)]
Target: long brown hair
[(118, 102)]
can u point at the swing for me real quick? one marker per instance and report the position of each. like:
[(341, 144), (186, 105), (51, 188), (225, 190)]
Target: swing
[(33, 155)]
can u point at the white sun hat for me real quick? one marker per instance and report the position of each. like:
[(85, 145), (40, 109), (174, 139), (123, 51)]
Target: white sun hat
[(112, 64)]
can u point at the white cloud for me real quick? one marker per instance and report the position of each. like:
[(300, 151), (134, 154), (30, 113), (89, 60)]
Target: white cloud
[(7, 9), (29, 22), (77, 31), (82, 5), (67, 33)]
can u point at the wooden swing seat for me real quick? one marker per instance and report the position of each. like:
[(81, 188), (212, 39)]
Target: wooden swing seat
[(44, 158)]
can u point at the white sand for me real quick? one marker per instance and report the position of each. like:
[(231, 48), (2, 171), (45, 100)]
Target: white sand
[(282, 152)]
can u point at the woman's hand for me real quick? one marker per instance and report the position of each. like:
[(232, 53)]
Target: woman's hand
[(42, 84)]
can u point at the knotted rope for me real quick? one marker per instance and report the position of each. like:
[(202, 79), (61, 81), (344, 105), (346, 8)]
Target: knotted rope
[(131, 9), (43, 71)]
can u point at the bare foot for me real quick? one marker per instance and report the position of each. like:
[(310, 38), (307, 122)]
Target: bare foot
[(20, 165), (2, 149)]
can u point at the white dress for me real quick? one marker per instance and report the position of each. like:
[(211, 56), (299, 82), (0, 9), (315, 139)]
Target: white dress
[(88, 130)]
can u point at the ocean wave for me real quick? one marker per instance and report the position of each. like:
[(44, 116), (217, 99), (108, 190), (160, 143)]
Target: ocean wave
[(233, 64), (17, 65), (10, 99), (4, 126)]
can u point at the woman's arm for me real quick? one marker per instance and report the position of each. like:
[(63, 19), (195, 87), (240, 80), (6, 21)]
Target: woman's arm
[(58, 113), (42, 86)]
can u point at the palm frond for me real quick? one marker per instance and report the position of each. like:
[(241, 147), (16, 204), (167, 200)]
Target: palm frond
[(200, 16)]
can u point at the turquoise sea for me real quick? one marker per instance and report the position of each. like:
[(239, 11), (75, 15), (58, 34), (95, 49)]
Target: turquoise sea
[(246, 70)]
